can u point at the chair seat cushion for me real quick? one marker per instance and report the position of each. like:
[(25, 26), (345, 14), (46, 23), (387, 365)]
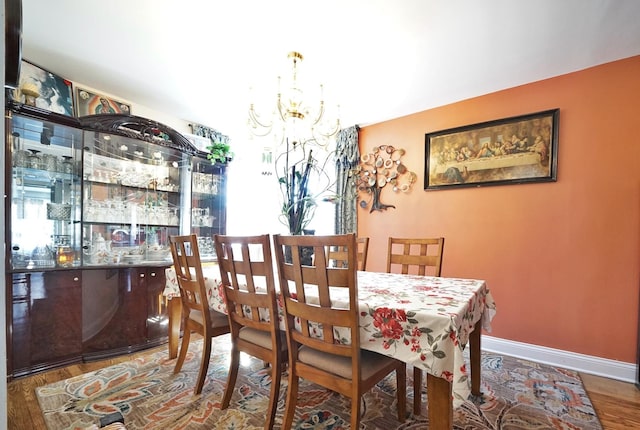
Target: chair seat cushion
[(370, 362), (218, 319), (261, 338)]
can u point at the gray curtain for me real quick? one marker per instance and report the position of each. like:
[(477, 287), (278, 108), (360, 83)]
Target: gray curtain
[(347, 158)]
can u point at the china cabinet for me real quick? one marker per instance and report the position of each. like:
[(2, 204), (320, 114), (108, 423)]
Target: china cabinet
[(122, 310), (45, 193), (208, 204), (131, 195), (46, 320), (91, 203)]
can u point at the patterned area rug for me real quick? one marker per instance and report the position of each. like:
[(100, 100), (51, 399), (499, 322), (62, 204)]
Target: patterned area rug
[(517, 394)]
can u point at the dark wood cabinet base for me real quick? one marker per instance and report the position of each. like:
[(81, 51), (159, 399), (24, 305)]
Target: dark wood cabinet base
[(63, 317)]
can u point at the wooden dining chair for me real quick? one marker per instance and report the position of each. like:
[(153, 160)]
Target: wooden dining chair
[(318, 299), (246, 271), (196, 314), (339, 255), (416, 256)]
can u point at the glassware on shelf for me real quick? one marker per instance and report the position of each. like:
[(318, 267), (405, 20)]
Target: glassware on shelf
[(34, 160), (203, 183), (50, 162), (205, 245), (98, 251), (67, 164), (19, 156), (59, 211), (173, 216), (201, 217), (42, 256), (18, 259), (65, 256)]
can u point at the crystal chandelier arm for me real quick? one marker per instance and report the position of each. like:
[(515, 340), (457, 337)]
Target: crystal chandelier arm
[(320, 113), (282, 110), (256, 126)]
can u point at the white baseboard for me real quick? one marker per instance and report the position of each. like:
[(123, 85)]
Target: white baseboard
[(569, 360)]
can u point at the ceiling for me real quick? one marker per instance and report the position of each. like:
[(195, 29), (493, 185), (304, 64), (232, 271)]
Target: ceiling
[(378, 59)]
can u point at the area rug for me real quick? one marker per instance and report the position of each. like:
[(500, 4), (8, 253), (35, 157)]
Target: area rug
[(517, 394)]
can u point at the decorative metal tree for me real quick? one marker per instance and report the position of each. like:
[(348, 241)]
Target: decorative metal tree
[(382, 168)]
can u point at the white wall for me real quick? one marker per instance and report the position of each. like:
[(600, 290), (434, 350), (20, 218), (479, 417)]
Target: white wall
[(253, 195)]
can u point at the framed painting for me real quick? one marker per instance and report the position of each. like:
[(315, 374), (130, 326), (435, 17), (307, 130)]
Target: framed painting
[(514, 150), (41, 88), (90, 103)]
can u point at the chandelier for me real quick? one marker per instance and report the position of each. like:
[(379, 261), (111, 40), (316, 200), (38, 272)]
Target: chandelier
[(295, 121)]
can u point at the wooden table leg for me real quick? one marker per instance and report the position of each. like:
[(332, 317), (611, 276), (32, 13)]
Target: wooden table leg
[(417, 391), (440, 402), (474, 358), (175, 313)]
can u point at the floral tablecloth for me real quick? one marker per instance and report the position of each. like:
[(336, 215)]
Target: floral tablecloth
[(422, 320)]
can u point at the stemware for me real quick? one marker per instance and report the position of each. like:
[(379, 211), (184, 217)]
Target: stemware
[(67, 164), (34, 160)]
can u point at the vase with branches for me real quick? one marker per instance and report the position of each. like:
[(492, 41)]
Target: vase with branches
[(304, 180)]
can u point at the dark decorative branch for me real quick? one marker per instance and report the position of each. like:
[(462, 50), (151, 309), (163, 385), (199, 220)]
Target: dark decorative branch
[(299, 201)]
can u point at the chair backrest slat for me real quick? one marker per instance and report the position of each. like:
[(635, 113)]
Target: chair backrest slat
[(338, 255), (246, 271), (320, 297), (420, 253), (186, 260)]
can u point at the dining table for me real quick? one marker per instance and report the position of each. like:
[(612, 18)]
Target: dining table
[(425, 321)]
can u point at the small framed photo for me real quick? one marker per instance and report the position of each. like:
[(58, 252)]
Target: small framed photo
[(40, 88), (515, 150), (90, 103)]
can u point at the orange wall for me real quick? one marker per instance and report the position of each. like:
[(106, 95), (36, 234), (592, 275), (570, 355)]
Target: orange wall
[(561, 258)]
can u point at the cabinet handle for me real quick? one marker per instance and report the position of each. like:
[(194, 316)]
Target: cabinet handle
[(76, 279), (153, 274), (142, 275)]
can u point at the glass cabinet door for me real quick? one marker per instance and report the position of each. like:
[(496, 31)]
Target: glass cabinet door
[(131, 200), (45, 193), (208, 203)]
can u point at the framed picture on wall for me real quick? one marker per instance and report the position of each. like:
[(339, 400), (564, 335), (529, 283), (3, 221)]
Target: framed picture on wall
[(90, 103), (514, 150), (41, 88)]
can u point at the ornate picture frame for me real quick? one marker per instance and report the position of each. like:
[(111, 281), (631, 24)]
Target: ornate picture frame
[(41, 88), (90, 103), (516, 150)]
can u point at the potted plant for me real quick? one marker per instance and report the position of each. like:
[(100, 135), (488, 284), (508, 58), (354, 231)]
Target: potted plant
[(219, 152)]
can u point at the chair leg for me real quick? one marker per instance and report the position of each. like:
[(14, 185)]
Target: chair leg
[(292, 398), (231, 378), (274, 395), (355, 411), (204, 364), (183, 349), (417, 391), (401, 392)]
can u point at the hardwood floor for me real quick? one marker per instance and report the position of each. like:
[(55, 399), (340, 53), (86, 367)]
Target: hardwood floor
[(23, 409), (617, 403)]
